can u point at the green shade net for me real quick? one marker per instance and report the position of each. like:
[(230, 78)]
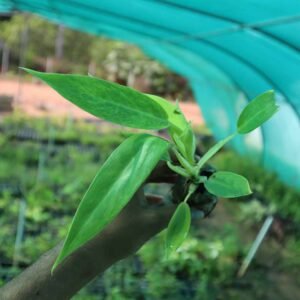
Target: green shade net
[(229, 50)]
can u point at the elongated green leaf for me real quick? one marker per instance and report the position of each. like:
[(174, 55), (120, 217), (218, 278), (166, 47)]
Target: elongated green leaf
[(178, 228), (227, 185), (180, 130), (212, 151), (179, 143), (178, 170), (189, 140), (184, 163), (114, 185), (176, 118), (107, 100), (258, 111)]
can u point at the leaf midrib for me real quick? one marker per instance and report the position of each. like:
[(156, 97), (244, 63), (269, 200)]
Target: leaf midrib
[(223, 184), (116, 104)]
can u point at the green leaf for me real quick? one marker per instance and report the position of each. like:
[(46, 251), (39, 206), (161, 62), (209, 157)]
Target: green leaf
[(175, 117), (178, 170), (166, 156), (107, 100), (178, 228), (227, 185), (184, 163), (114, 185), (258, 111), (180, 129), (212, 151), (179, 143), (188, 139)]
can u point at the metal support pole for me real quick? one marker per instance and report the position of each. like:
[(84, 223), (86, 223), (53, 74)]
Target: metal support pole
[(22, 57), (20, 232), (59, 42), (5, 58), (261, 235)]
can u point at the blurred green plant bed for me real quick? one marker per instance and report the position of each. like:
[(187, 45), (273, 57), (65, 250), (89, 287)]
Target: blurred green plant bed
[(50, 163)]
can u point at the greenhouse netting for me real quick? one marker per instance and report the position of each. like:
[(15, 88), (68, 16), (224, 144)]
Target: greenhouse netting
[(230, 51)]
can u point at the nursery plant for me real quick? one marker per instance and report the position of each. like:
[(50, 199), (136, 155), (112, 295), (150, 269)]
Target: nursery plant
[(128, 167)]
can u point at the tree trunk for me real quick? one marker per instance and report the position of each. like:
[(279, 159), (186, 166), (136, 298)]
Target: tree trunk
[(5, 59)]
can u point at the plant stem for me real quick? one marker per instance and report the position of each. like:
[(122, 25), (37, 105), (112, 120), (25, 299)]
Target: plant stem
[(192, 189), (212, 151)]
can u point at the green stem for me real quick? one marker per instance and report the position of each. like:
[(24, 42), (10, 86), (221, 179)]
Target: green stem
[(192, 189), (212, 151), (184, 163)]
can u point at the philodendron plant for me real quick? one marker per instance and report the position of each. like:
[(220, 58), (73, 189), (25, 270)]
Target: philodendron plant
[(131, 163)]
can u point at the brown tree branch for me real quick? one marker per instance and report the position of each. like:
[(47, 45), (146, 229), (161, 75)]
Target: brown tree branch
[(124, 236)]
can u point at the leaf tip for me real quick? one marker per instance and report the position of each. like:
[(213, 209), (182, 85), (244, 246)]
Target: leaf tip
[(60, 258), (249, 191), (25, 69), (271, 92), (30, 71), (54, 267)]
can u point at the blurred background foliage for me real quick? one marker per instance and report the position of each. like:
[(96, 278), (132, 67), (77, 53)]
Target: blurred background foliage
[(53, 48)]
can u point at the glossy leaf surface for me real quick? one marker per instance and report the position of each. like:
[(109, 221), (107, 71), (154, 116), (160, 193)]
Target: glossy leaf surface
[(179, 170), (114, 185), (188, 139), (175, 118), (107, 100), (178, 227), (180, 130), (258, 111), (227, 185)]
